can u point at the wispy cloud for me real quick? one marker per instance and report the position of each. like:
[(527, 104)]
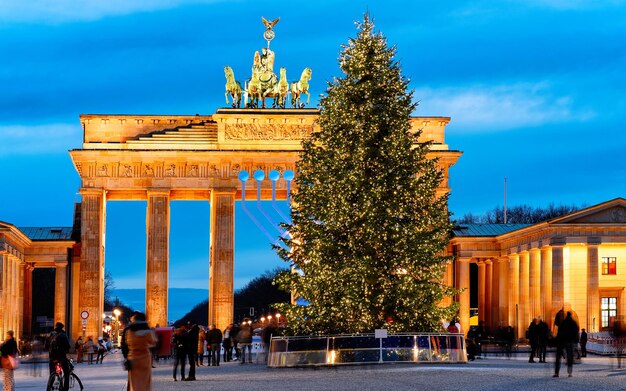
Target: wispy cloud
[(501, 107), (39, 139), (59, 11), (576, 4)]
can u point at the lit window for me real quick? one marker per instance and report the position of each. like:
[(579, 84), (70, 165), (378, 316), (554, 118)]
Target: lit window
[(609, 265), (609, 310)]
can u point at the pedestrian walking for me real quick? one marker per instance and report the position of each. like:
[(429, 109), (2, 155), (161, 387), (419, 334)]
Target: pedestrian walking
[(566, 338), (227, 344), (89, 349), (191, 346), (101, 350), (533, 338), (234, 333), (78, 346), (9, 360), (542, 340), (214, 339), (244, 338), (137, 339), (201, 340), (180, 355)]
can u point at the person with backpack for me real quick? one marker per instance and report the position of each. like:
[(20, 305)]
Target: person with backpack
[(58, 346)]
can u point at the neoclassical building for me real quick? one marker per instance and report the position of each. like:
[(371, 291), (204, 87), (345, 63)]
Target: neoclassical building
[(576, 261)]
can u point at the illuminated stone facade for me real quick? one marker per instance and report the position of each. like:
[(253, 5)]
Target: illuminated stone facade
[(576, 261)]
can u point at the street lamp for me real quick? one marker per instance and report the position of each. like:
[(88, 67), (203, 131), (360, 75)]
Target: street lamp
[(278, 319), (116, 330)]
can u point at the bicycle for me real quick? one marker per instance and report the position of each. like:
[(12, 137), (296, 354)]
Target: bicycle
[(55, 381)]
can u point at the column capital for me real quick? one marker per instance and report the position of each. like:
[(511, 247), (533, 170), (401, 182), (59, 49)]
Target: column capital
[(557, 242), (158, 192), (84, 191), (594, 241), (224, 190), (464, 259), (60, 263)]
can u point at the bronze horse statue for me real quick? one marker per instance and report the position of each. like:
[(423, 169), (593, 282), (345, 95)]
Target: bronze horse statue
[(233, 87), (301, 87)]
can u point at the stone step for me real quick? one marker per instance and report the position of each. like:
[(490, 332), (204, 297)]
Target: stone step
[(184, 135)]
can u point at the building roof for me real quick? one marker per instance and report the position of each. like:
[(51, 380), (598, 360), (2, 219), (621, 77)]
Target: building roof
[(469, 230), (47, 233)]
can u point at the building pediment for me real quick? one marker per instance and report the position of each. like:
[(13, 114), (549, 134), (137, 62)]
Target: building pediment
[(610, 212)]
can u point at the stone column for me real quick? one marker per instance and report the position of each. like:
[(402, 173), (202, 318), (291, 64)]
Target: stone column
[(488, 294), (4, 259), (593, 293), (463, 282), (28, 300), (524, 308), (19, 327), (12, 292), (221, 268), (91, 292), (534, 267), (60, 291), (157, 248), (514, 313), (503, 292), (546, 283), (495, 294), (558, 299), (482, 306)]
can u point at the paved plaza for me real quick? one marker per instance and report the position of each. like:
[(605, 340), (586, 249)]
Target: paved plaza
[(493, 373)]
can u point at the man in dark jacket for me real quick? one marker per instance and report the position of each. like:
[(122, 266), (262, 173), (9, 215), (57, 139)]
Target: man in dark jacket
[(533, 339), (583, 343), (58, 346), (214, 339), (191, 346), (178, 341), (234, 332), (566, 338)]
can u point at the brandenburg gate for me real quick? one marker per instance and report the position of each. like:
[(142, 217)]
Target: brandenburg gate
[(165, 158)]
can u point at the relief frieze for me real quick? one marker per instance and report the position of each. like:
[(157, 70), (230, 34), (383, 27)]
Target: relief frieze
[(267, 132)]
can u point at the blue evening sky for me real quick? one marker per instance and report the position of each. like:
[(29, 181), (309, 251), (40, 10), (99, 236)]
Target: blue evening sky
[(535, 88)]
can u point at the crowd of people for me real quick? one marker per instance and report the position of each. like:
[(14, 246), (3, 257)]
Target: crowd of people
[(191, 343)]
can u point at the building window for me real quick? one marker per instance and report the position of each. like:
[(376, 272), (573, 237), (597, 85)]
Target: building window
[(609, 310), (609, 265)]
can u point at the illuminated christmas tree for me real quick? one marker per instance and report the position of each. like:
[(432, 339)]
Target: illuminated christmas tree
[(368, 232)]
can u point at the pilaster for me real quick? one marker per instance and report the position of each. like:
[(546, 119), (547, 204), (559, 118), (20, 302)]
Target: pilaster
[(91, 292), (157, 257), (221, 269), (593, 293)]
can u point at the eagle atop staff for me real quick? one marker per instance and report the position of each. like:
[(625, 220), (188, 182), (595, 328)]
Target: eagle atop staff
[(269, 24)]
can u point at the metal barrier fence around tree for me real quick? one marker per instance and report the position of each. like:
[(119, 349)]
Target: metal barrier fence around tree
[(357, 349)]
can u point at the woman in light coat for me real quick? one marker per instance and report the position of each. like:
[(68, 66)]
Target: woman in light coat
[(137, 340)]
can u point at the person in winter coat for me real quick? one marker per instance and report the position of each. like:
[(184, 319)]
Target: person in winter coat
[(191, 346), (244, 338), (214, 339), (566, 338), (227, 344), (89, 348), (178, 341), (137, 339), (201, 339), (8, 349)]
